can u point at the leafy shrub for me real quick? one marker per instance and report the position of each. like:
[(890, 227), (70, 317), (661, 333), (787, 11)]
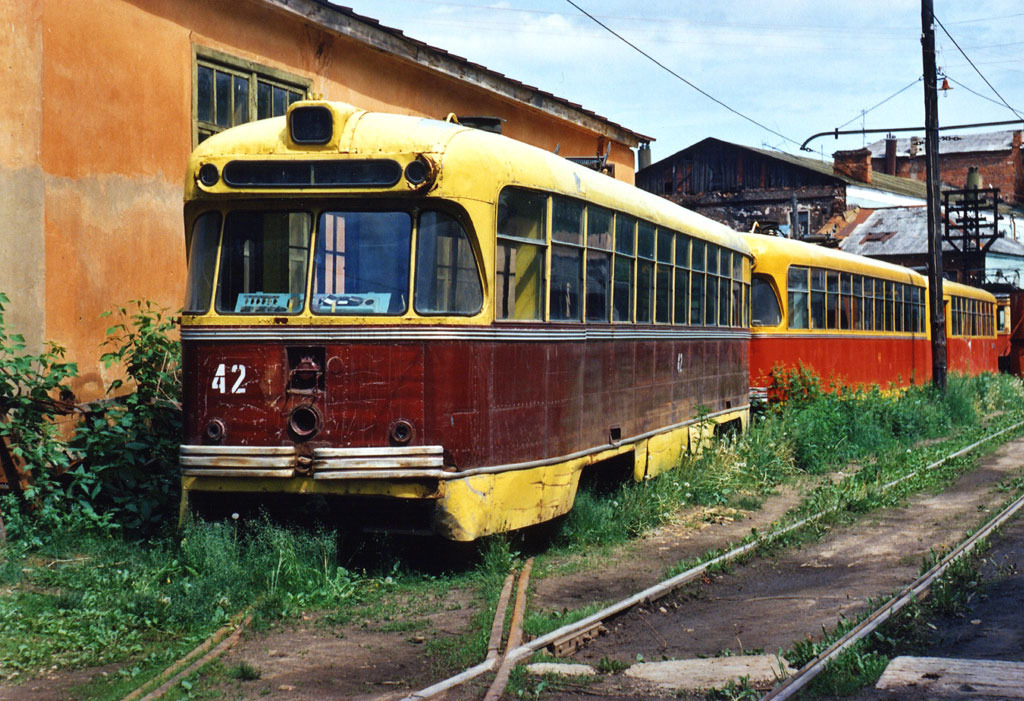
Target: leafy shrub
[(131, 442), (119, 468)]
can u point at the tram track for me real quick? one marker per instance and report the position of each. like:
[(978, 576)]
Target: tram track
[(586, 626)]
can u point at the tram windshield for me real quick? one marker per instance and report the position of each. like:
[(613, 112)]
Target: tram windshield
[(361, 264), (263, 261)]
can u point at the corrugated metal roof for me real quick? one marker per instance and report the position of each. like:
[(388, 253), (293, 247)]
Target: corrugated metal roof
[(953, 143), (398, 43), (903, 231)]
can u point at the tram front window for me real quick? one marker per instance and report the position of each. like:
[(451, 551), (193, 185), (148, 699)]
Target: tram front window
[(263, 263), (361, 265), (446, 274), (202, 259), (764, 304)]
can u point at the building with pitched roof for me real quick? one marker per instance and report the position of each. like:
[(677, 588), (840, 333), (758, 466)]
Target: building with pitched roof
[(750, 188)]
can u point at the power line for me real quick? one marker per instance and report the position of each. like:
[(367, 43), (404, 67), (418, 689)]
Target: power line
[(676, 75), (906, 87), (974, 92), (939, 22)]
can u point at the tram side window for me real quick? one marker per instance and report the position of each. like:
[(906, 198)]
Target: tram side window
[(522, 217), (818, 280), (622, 297), (711, 285), (599, 263), (798, 297), (682, 275), (565, 303), (737, 289), (263, 263), (765, 304), (645, 240), (857, 300), (832, 300), (447, 281), (898, 313), (1001, 317), (697, 259), (202, 261), (724, 287), (361, 265), (663, 278), (846, 302)]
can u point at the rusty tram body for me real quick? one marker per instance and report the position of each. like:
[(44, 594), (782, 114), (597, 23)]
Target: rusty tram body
[(443, 323)]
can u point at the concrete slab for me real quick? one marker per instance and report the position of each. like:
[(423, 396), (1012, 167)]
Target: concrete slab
[(941, 677), (562, 669), (712, 672)]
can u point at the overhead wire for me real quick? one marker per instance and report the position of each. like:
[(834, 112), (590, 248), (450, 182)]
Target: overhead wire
[(976, 69), (676, 75), (972, 91), (903, 89)]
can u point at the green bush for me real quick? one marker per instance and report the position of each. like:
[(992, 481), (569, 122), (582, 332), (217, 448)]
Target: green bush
[(119, 469), (130, 444)]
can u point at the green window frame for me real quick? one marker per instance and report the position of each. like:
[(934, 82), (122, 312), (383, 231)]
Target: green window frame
[(228, 91)]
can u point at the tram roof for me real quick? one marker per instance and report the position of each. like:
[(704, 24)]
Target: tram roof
[(956, 288), (772, 251), (377, 134)]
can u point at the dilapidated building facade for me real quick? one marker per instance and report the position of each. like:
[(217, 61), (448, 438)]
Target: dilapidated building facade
[(101, 102), (751, 189)]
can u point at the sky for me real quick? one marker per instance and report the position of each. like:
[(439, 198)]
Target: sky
[(796, 67)]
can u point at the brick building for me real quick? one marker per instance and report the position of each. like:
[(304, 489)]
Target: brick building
[(998, 155), (101, 102)]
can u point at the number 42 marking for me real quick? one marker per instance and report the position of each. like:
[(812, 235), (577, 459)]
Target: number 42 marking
[(220, 379)]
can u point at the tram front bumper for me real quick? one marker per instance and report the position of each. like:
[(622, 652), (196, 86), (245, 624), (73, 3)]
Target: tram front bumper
[(325, 464)]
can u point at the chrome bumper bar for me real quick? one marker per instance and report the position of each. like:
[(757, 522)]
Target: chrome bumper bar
[(283, 461)]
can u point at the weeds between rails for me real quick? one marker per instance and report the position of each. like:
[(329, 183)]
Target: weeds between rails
[(85, 596)]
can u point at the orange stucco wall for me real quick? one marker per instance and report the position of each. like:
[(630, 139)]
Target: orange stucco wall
[(109, 130)]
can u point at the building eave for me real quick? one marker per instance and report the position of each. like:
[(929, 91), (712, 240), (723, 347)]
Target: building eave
[(366, 30)]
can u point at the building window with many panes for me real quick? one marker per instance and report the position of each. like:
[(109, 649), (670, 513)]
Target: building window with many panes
[(229, 91)]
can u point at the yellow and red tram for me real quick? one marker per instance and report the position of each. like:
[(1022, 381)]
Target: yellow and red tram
[(442, 321), (852, 319), (857, 320), (972, 345)]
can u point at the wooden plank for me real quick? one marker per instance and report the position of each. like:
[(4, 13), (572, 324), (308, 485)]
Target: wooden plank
[(938, 676)]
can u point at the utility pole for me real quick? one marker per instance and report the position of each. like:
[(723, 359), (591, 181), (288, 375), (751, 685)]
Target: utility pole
[(931, 131)]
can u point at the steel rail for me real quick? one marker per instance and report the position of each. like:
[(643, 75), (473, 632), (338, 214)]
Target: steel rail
[(662, 588), (918, 588)]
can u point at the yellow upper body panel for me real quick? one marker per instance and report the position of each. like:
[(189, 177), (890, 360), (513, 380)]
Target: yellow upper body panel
[(956, 289)]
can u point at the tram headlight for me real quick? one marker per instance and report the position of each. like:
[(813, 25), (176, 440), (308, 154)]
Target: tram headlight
[(311, 124), (208, 174), (401, 432), (215, 431), (417, 172), (305, 421)]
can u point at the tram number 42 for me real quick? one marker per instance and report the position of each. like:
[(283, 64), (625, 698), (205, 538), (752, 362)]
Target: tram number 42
[(220, 379)]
